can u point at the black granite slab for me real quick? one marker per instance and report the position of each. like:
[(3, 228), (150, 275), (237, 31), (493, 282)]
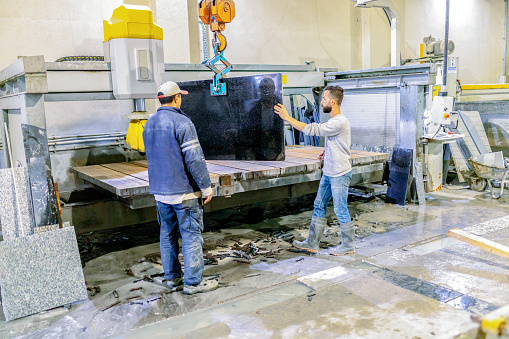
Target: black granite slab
[(45, 203), (241, 125), (399, 171)]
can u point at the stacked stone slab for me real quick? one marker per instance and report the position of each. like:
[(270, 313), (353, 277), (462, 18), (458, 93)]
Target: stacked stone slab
[(40, 267), (16, 212)]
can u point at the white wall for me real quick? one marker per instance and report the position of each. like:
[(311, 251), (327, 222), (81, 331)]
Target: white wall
[(476, 27), (172, 16), (54, 28), (330, 32), (375, 44), (291, 32), (57, 28)]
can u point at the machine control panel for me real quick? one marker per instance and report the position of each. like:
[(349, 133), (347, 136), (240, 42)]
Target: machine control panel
[(441, 110)]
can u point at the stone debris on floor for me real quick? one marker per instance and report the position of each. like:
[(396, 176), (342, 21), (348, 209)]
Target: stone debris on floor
[(403, 267)]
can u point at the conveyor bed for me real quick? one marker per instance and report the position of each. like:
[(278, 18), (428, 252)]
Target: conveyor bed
[(129, 180)]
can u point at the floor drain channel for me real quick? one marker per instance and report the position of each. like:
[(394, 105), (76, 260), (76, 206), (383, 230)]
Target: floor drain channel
[(431, 290)]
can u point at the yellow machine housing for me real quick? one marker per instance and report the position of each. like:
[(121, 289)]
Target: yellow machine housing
[(134, 47), (132, 21)]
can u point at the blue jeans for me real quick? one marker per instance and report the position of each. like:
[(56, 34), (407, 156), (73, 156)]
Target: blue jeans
[(186, 218), (337, 189)]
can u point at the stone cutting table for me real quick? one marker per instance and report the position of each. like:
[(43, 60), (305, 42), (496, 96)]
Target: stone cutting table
[(128, 181)]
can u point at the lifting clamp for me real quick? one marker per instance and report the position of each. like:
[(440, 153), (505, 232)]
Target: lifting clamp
[(217, 13)]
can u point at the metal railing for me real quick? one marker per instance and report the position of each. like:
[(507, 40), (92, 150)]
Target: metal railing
[(85, 141)]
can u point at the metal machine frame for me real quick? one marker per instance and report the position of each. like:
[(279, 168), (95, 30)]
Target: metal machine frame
[(30, 84), (59, 128), (412, 84), (22, 88)]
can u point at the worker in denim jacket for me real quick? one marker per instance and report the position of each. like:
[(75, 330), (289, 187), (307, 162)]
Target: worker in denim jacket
[(337, 173), (178, 179)]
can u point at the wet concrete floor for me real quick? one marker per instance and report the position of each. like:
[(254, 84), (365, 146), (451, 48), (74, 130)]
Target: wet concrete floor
[(407, 279)]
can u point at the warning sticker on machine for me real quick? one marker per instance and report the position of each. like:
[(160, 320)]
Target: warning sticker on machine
[(452, 68)]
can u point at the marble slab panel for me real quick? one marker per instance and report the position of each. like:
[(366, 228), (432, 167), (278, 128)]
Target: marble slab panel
[(241, 125), (43, 192), (14, 226), (40, 272), (35, 140)]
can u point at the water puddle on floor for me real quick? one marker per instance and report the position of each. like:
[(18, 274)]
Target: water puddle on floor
[(428, 289), (472, 305), (181, 325), (433, 246), (299, 266)]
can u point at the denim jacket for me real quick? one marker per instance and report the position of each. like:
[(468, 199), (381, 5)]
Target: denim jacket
[(176, 164)]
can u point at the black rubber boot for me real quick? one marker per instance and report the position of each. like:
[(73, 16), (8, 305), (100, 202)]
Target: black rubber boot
[(311, 244), (347, 238)]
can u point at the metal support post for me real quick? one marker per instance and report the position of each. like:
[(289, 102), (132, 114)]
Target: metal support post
[(446, 49), (22, 88)]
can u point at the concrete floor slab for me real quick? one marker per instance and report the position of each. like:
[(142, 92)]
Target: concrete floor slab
[(406, 279)]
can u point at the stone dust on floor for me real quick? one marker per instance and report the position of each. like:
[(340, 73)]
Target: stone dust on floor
[(406, 279)]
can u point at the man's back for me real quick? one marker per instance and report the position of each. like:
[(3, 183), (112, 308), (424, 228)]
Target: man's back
[(175, 160)]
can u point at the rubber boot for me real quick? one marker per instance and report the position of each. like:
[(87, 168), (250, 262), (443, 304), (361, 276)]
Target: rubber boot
[(311, 244), (347, 238)]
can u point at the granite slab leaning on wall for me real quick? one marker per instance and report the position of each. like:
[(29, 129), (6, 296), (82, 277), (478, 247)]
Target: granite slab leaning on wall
[(15, 193), (40, 272)]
